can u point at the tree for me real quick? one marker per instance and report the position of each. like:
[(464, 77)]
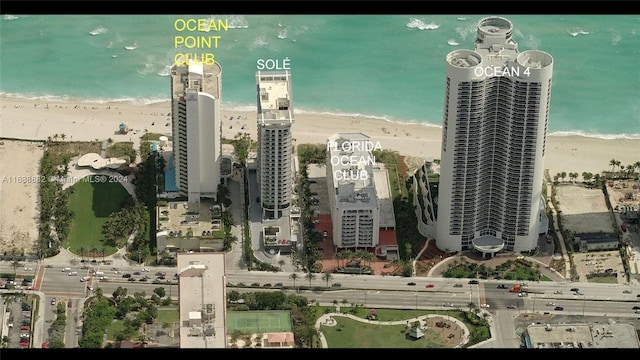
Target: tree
[(15, 264), (310, 276), (94, 250), (327, 277), (281, 262), (81, 249), (293, 277)]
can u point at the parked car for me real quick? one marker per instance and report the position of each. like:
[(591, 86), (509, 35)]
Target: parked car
[(473, 282), (551, 303), (575, 289), (53, 301), (457, 285), (558, 308), (428, 286), (411, 284), (502, 286), (511, 306)]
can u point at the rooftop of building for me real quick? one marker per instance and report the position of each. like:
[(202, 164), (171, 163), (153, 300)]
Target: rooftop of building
[(274, 97), (202, 300)]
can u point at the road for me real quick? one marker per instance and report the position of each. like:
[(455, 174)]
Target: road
[(367, 290)]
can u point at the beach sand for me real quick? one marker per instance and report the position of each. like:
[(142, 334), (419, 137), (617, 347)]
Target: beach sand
[(22, 118)]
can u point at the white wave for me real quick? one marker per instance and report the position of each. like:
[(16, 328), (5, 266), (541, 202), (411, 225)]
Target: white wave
[(282, 34), (66, 98), (616, 39), (462, 18), (259, 41), (421, 25), (238, 22), (10, 17), (452, 42), (577, 31), (132, 47), (97, 31), (166, 71), (596, 135)]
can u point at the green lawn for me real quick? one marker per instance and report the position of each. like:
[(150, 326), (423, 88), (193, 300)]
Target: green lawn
[(92, 203), (168, 315), (348, 333)]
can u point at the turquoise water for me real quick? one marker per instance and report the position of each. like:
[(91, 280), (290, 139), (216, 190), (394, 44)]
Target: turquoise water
[(380, 66)]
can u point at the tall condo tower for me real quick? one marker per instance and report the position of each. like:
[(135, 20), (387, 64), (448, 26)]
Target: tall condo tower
[(275, 157), (493, 144), (197, 146)]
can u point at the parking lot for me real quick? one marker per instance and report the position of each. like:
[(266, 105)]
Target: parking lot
[(599, 261)]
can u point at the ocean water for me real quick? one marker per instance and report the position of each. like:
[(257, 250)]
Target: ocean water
[(381, 66)]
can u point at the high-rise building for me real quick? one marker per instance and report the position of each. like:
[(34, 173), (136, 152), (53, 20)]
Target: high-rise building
[(493, 144), (355, 210), (196, 113), (275, 157)]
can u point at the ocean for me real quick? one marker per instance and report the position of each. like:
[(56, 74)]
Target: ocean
[(378, 66)]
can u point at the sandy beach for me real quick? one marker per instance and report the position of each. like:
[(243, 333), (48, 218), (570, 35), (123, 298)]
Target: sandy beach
[(39, 119)]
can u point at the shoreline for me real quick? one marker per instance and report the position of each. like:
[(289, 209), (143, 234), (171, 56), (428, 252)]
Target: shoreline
[(239, 108), (38, 119)]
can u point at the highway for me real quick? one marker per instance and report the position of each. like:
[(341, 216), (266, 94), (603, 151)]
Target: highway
[(373, 291)]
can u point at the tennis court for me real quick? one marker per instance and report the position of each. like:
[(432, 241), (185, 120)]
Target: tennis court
[(258, 321)]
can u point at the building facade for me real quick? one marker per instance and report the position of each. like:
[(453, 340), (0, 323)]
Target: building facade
[(355, 210), (493, 144), (275, 152), (196, 115)]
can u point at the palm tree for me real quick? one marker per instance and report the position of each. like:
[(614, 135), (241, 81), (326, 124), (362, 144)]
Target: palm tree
[(103, 251), (94, 250), (293, 277), (63, 136), (281, 262), (327, 277), (81, 249), (310, 276), (613, 163), (15, 264)]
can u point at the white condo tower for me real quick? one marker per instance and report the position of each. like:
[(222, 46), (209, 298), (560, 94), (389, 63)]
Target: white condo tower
[(493, 144), (197, 146), (275, 157)]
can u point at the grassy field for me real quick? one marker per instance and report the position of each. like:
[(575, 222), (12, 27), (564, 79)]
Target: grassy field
[(350, 333), (92, 203)]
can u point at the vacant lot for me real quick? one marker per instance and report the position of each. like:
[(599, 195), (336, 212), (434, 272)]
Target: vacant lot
[(19, 184), (583, 210)]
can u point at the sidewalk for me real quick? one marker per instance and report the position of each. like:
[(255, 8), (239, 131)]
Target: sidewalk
[(66, 258)]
